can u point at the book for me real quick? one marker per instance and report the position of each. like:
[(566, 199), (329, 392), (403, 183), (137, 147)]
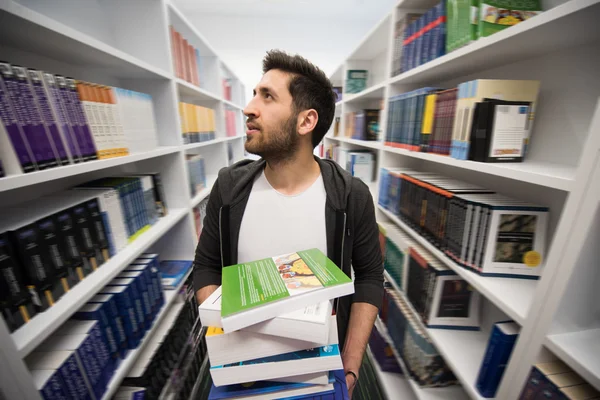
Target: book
[(311, 323), (443, 122), (49, 384), (469, 93), (137, 300), (399, 37), (244, 345), (127, 312), (497, 15), (361, 165), (266, 390), (356, 80), (145, 293), (153, 278), (319, 359), (462, 22), (296, 280), (173, 272), (147, 284), (102, 308), (383, 352), (502, 340), (77, 115)]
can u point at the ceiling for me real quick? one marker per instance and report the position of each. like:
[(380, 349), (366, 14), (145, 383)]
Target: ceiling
[(359, 10)]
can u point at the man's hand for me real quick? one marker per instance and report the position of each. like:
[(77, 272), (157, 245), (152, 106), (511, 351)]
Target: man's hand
[(206, 291), (350, 384)]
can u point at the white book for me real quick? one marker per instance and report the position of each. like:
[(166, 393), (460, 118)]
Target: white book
[(310, 323), (226, 348), (321, 359)]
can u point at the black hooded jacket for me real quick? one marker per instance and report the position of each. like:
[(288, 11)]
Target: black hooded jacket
[(352, 233)]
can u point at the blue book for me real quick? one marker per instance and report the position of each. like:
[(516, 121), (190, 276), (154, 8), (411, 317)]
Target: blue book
[(98, 312), (502, 340), (430, 17), (438, 42), (173, 271), (126, 307), (271, 389), (421, 22), (139, 280), (151, 279), (384, 181), (406, 48), (319, 359), (340, 390), (136, 296)]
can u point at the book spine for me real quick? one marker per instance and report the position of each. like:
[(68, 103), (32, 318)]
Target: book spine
[(58, 110), (99, 229), (27, 113), (128, 314), (91, 365), (198, 66), (47, 117), (494, 363), (79, 116), (75, 379), (173, 37), (78, 132), (82, 226)]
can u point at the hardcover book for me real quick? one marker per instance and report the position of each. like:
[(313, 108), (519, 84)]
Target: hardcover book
[(257, 291), (319, 359), (502, 340), (173, 272)]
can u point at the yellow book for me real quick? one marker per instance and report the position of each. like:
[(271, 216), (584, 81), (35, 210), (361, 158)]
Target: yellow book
[(472, 92), (202, 126), (211, 121), (427, 126)]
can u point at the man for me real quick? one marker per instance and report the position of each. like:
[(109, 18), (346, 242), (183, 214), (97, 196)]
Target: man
[(290, 200)]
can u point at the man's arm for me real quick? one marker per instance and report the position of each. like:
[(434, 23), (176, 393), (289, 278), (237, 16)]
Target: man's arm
[(368, 280), (207, 262)]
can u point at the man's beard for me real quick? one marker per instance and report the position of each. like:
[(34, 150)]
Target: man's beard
[(280, 145)]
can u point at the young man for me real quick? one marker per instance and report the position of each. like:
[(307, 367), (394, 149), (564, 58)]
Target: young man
[(290, 200)]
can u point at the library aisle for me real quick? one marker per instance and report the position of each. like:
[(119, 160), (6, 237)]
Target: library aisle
[(475, 126)]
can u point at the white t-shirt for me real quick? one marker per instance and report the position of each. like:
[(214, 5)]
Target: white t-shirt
[(275, 224)]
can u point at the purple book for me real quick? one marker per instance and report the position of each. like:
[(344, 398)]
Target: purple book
[(13, 128), (43, 105), (79, 134), (53, 93), (23, 100), (81, 119)]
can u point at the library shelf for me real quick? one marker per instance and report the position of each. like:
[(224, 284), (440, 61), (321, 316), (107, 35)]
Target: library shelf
[(187, 89), (462, 350), (370, 144), (512, 296), (170, 306), (537, 36), (373, 92), (21, 180), (232, 104), (551, 175), (581, 351), (29, 30), (41, 326), (190, 146), (455, 392), (201, 196), (393, 384)]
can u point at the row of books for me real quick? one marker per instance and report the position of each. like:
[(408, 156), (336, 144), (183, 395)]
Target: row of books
[(452, 24), (230, 129), (49, 120), (199, 214), (485, 232), (382, 352), (286, 333), (467, 122), (50, 244), (360, 164), (440, 298), (362, 125), (556, 381), (187, 60), (419, 38), (197, 173), (163, 366), (197, 123), (79, 359)]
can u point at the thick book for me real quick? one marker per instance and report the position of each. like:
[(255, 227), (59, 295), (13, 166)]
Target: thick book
[(260, 290), (319, 359), (502, 340), (311, 323), (266, 390), (227, 348)]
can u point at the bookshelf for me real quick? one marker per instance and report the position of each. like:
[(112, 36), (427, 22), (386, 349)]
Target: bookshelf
[(98, 42), (557, 313)]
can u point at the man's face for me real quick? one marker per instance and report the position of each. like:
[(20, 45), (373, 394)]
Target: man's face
[(271, 125)]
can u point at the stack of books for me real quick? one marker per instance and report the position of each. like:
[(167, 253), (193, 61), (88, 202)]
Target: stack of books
[(50, 244), (271, 330), (197, 123), (556, 381), (485, 232), (362, 125), (467, 122), (79, 359), (186, 59), (197, 173), (49, 120)]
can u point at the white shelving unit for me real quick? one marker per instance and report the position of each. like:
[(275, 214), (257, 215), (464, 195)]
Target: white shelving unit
[(558, 313), (124, 44)]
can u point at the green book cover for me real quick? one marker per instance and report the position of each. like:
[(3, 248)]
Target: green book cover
[(497, 15), (256, 283)]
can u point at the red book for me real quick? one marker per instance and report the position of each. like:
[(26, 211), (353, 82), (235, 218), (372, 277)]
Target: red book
[(178, 43), (193, 66), (174, 50), (184, 60)]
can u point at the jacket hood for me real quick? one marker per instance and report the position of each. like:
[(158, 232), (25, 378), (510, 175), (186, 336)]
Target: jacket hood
[(234, 181)]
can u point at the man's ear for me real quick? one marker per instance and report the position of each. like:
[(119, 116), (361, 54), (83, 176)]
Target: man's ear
[(307, 121)]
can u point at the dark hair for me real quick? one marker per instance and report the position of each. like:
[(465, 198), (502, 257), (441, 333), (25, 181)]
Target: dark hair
[(309, 87)]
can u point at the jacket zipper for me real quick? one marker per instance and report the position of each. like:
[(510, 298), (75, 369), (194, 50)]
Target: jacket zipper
[(343, 239), (221, 237)]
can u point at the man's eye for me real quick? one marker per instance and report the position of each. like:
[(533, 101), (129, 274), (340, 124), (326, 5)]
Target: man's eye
[(268, 96)]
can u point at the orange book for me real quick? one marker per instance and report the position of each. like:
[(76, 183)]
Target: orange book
[(193, 65), (174, 50), (185, 61)]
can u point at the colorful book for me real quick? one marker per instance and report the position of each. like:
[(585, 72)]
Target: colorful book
[(257, 291), (319, 359), (497, 15)]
